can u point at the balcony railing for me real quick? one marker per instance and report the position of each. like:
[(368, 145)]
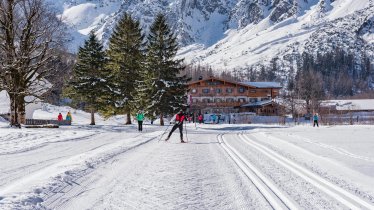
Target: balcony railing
[(217, 104)]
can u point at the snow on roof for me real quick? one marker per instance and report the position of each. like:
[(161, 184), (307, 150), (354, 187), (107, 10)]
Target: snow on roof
[(354, 104), (257, 104), (263, 84)]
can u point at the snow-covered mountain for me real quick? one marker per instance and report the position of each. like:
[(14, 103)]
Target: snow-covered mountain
[(228, 34)]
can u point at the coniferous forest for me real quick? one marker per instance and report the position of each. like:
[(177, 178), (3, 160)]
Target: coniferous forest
[(134, 73), (337, 74)]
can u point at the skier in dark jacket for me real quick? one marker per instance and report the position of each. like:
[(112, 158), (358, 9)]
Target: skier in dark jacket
[(179, 118), (315, 120)]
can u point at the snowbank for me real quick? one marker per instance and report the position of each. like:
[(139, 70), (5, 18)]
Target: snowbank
[(4, 102), (50, 112)]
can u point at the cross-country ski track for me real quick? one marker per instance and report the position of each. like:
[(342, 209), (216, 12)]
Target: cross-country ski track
[(221, 167)]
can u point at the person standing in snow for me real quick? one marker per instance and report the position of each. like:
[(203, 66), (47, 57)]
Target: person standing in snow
[(69, 117), (59, 117), (140, 118), (179, 118), (214, 117), (200, 118), (315, 120)]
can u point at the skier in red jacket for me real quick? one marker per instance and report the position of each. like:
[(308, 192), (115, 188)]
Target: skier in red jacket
[(179, 118), (59, 117)]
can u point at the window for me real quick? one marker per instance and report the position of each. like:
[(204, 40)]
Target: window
[(218, 90), (229, 100), (228, 90), (195, 100), (194, 90), (253, 91), (205, 90), (241, 90), (242, 100), (217, 100)]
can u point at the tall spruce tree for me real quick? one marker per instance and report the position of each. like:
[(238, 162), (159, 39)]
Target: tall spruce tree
[(89, 82), (141, 97), (126, 56), (167, 88)]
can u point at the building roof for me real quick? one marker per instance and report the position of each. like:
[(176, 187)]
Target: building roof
[(257, 104), (212, 78), (263, 84), (353, 104)]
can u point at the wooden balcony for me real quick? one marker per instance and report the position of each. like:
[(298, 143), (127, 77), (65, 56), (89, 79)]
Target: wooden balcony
[(217, 104), (258, 94)]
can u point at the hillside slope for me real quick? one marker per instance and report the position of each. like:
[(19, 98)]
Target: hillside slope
[(236, 33)]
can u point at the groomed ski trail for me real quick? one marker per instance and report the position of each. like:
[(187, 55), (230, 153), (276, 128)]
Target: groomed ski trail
[(348, 199), (276, 198), (160, 175)]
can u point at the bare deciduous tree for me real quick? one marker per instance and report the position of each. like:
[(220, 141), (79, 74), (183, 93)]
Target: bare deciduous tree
[(30, 33), (310, 88)]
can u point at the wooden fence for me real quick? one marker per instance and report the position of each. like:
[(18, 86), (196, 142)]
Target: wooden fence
[(45, 122)]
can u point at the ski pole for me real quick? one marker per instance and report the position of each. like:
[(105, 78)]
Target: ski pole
[(185, 127), (164, 132)]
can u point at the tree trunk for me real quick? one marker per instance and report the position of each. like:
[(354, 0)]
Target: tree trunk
[(162, 119), (307, 106), (13, 111), (17, 110), (92, 117), (128, 118), (21, 106)]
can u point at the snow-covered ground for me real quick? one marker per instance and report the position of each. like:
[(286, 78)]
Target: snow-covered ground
[(49, 112), (221, 167)]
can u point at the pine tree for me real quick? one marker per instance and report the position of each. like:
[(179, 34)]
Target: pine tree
[(141, 96), (125, 61), (89, 82), (167, 88)]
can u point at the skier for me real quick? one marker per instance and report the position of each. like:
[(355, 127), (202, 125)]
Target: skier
[(69, 117), (315, 120), (59, 117), (140, 118), (214, 117), (189, 119), (179, 118), (200, 118)]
